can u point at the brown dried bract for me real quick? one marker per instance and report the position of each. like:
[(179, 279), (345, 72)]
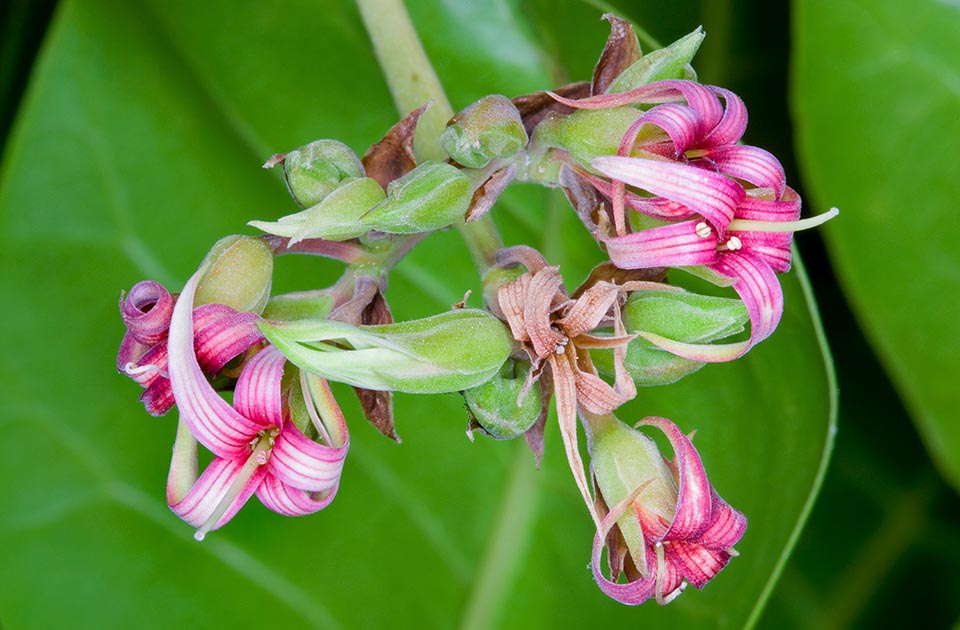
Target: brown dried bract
[(393, 156), (621, 51)]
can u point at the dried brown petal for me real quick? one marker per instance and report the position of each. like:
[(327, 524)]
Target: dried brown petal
[(534, 107), (489, 191), (589, 309), (378, 408), (607, 272), (537, 308)]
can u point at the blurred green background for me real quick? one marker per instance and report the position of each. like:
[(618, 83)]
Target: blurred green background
[(133, 135)]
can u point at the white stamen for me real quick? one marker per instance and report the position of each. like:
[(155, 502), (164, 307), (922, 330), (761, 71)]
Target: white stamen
[(561, 346), (749, 225), (262, 445), (733, 244), (132, 369), (702, 229)]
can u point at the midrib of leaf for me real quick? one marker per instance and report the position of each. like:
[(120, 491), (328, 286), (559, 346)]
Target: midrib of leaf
[(109, 488), (833, 392)]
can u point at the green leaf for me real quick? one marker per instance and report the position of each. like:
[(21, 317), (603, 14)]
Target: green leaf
[(877, 95), (139, 146)]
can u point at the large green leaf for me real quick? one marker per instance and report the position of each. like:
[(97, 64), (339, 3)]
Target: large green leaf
[(138, 146), (877, 91)]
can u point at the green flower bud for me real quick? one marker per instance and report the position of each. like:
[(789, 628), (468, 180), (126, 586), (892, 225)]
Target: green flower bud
[(672, 62), (430, 197), (336, 218), (314, 171), (239, 273), (677, 315), (449, 352), (490, 128), (494, 404)]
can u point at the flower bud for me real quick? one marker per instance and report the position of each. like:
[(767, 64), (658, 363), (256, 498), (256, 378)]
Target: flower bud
[(500, 406), (430, 197), (677, 315), (490, 128), (672, 62), (449, 352), (239, 273), (336, 218), (314, 171)]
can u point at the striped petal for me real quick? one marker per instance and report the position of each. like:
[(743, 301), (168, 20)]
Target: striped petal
[(301, 463), (734, 121), (146, 312), (680, 122), (656, 207), (289, 501), (221, 333), (214, 423), (257, 395), (711, 195), (697, 565), (726, 526), (677, 245), (751, 164), (694, 493), (213, 485)]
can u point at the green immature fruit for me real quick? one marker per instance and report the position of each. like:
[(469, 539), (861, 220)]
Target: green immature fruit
[(497, 407)]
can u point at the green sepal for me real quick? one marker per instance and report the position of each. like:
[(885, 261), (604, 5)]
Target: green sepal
[(448, 352), (586, 133), (314, 171), (672, 62), (488, 129), (432, 196), (239, 272), (336, 218), (303, 305)]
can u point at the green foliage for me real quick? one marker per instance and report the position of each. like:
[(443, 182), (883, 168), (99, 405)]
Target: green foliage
[(138, 146), (878, 90)]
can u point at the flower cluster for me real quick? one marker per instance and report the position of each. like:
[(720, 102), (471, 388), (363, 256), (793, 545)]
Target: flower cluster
[(652, 163)]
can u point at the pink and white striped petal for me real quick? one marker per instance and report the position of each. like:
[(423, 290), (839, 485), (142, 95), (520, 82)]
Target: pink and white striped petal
[(214, 423), (679, 245), (257, 395), (634, 592), (751, 164), (680, 122), (656, 207), (206, 494), (726, 527), (734, 122), (711, 195), (221, 333), (696, 564), (289, 501), (146, 311), (301, 463), (694, 494)]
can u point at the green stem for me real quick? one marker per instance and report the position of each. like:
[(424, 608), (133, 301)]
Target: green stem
[(413, 82)]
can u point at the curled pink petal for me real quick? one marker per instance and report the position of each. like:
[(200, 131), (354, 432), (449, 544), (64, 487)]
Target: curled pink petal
[(759, 289), (760, 209), (290, 501), (726, 526), (146, 311), (301, 463), (751, 164), (677, 245), (712, 195), (214, 423), (696, 564), (680, 122), (694, 494), (734, 121), (221, 333), (774, 248), (656, 207), (204, 497)]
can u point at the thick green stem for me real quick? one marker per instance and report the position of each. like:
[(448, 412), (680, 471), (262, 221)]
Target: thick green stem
[(413, 82)]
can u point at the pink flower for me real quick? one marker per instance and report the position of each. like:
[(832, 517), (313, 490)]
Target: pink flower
[(257, 444), (221, 333), (668, 526)]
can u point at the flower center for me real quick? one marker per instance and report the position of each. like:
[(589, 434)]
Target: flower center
[(261, 446)]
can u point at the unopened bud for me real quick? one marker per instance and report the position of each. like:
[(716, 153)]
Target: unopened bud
[(672, 62), (432, 196), (314, 171), (449, 352), (490, 128), (498, 407), (239, 274)]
